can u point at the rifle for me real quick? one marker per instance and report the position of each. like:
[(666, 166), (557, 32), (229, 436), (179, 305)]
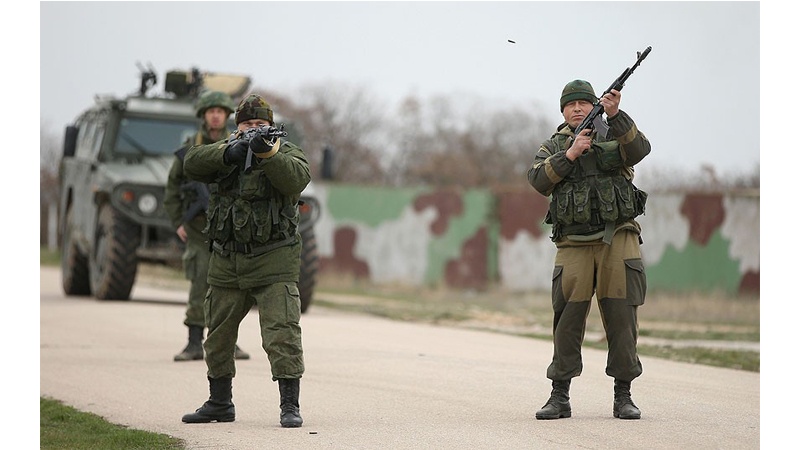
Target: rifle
[(595, 118), (269, 132), (200, 203)]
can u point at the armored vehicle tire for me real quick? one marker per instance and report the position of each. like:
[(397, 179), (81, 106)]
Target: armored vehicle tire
[(309, 263), (113, 264), (74, 266)]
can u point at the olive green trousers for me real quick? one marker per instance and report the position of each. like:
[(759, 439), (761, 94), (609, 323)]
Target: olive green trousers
[(195, 267), (615, 275), (279, 320)]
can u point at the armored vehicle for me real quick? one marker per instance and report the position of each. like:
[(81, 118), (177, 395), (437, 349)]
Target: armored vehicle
[(116, 159)]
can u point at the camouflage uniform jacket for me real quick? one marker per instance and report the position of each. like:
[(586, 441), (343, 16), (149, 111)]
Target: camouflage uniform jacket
[(254, 215), (627, 146)]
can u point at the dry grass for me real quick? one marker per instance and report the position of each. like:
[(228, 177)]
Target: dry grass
[(706, 328), (661, 309)]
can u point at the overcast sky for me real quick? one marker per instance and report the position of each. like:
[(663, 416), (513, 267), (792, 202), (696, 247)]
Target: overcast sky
[(702, 74)]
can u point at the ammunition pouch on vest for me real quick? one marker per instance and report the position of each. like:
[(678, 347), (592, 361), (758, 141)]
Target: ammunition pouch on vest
[(246, 215)]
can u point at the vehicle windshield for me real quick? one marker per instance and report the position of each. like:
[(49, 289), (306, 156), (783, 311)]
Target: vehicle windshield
[(150, 136)]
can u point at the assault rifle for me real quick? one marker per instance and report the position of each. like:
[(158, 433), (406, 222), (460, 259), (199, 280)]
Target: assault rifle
[(200, 203), (269, 133), (595, 118)]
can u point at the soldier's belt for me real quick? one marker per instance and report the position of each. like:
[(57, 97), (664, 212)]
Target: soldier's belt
[(588, 232), (229, 247)]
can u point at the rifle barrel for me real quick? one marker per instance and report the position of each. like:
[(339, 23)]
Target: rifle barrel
[(618, 84)]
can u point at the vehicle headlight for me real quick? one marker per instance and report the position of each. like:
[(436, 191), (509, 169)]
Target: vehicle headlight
[(147, 203)]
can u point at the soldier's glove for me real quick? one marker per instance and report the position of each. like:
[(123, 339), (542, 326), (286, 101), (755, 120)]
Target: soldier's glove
[(235, 153), (264, 143)]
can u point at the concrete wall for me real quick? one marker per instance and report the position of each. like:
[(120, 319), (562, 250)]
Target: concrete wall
[(475, 238)]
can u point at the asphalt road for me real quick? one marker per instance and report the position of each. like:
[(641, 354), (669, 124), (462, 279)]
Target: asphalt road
[(372, 383)]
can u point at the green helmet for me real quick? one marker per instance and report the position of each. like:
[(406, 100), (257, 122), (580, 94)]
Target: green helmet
[(253, 107), (209, 99), (577, 90)]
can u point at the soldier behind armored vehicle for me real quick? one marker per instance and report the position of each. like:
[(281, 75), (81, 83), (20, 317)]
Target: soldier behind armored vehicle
[(186, 202)]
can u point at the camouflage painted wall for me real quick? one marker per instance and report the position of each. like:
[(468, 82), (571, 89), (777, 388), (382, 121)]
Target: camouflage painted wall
[(477, 238)]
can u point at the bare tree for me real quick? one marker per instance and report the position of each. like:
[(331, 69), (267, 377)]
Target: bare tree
[(461, 140), (343, 118), (465, 142), (408, 136)]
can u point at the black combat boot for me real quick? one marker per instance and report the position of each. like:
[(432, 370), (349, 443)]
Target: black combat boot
[(194, 349), (557, 405), (240, 354), (623, 405), (290, 402), (219, 406)]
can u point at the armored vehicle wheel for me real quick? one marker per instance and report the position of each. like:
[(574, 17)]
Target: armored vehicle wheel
[(74, 266), (309, 263), (113, 263)]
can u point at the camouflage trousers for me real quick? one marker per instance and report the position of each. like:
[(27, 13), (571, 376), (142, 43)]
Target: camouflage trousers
[(195, 267), (615, 275), (279, 319)]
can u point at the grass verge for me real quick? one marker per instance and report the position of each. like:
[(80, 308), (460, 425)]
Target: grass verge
[(62, 427)]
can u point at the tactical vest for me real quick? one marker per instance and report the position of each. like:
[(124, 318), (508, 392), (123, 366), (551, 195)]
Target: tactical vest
[(247, 214), (596, 196)]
